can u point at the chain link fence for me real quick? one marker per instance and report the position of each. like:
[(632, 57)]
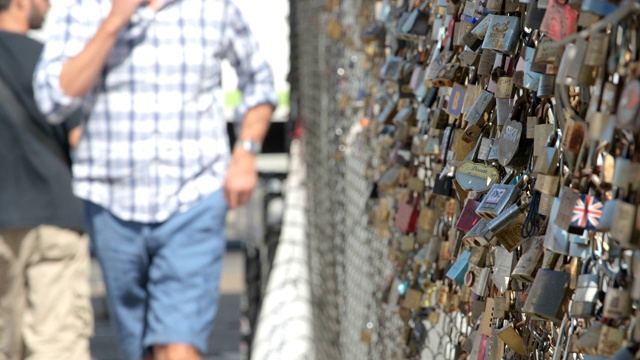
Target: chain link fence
[(331, 77)]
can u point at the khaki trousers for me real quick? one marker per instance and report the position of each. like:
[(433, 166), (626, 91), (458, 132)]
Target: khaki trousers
[(45, 299)]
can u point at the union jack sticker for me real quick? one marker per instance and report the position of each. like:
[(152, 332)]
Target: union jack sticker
[(587, 212)]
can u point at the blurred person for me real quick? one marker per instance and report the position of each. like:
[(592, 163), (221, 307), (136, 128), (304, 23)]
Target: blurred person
[(153, 164), (45, 305)]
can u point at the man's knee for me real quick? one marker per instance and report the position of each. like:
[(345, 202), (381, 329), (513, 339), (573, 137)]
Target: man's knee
[(175, 352)]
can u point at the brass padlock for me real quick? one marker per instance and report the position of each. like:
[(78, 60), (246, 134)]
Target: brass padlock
[(548, 295), (611, 340), (512, 339), (412, 299), (407, 243), (530, 261)]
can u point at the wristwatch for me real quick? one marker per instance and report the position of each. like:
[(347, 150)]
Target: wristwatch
[(249, 146)]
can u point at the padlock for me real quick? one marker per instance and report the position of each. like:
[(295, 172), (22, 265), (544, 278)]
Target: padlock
[(611, 340), (504, 88), (617, 303), (487, 59), (469, 58), (494, 6), (546, 51), (535, 15), (618, 217), (448, 74), (556, 238), (530, 261), (627, 113), (438, 59), (477, 279), (514, 149), (635, 284), (548, 296), (530, 78), (407, 215), (481, 28), (546, 86), (478, 256), (468, 217), (495, 345), (503, 34), (469, 12), (502, 268), (511, 224), (459, 268), (585, 297), (485, 148), (504, 107), (476, 115), (412, 299), (598, 7), (548, 184), (486, 318), (479, 235), (512, 339), (407, 243), (456, 100), (596, 54), (559, 20), (626, 353), (467, 38), (477, 177), (497, 200)]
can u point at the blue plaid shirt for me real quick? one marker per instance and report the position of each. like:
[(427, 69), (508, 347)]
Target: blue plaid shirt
[(155, 139)]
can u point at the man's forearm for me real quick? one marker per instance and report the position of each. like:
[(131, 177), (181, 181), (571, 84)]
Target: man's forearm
[(79, 74), (255, 124)]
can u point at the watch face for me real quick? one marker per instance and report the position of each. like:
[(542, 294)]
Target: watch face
[(250, 146)]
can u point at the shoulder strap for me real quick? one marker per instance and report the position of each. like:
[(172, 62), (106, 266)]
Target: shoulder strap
[(20, 116)]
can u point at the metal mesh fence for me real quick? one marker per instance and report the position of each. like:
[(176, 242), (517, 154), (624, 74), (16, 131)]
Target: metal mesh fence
[(330, 78)]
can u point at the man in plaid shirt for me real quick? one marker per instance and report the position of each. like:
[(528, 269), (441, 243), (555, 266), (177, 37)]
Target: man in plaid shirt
[(153, 164)]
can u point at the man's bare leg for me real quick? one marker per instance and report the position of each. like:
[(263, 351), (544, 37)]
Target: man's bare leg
[(175, 352)]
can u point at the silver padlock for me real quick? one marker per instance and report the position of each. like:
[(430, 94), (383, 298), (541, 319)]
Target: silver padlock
[(477, 279), (479, 235), (499, 197)]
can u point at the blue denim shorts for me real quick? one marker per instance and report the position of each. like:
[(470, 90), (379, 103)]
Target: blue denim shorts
[(161, 279)]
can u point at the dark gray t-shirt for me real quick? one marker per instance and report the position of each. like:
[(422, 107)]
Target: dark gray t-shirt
[(35, 184)]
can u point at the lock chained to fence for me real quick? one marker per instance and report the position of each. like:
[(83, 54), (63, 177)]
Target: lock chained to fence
[(505, 177)]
